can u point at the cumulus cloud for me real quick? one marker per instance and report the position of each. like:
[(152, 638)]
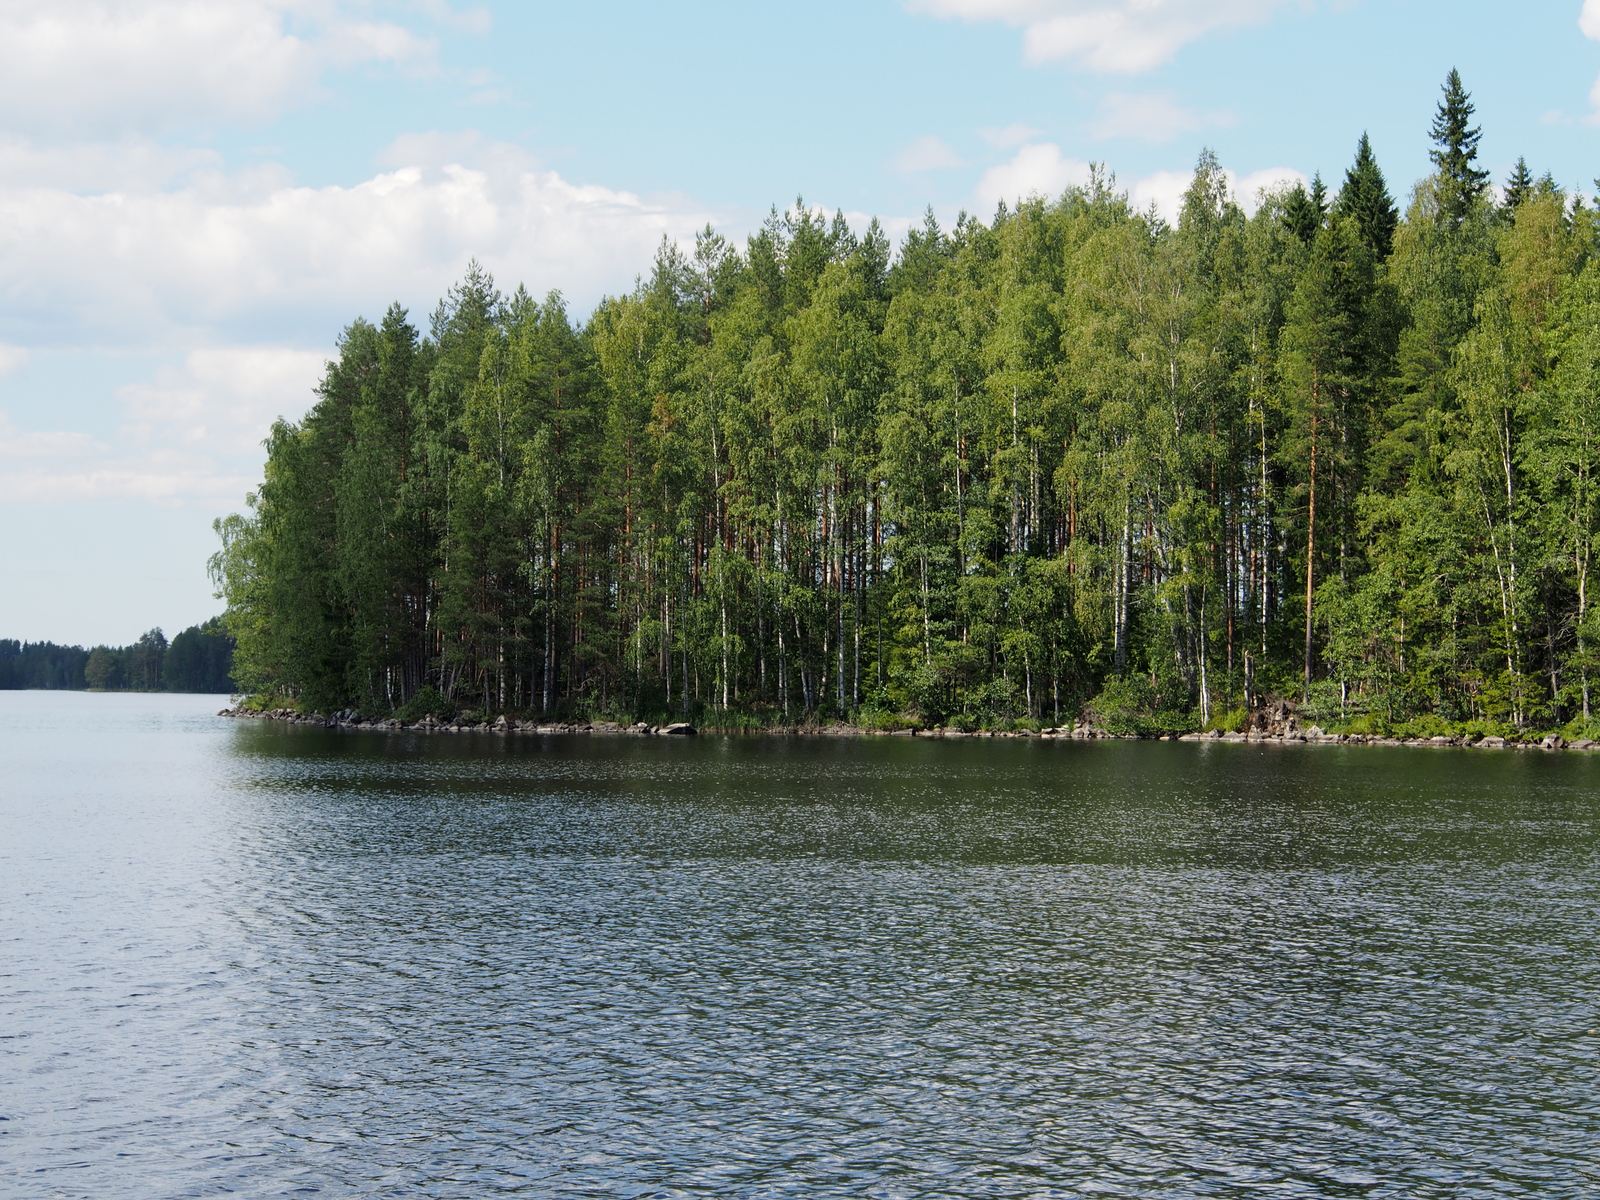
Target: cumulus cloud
[(18, 444), (1040, 169), (250, 251), (926, 154), (1124, 36), (1589, 24), (109, 67), (1005, 137), (1150, 117), (100, 166), (1164, 189), (194, 432), (223, 399), (1250, 188), (472, 20), (163, 478)]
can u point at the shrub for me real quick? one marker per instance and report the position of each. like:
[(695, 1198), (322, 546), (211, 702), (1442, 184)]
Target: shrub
[(429, 702), (267, 701), (1235, 720), (1132, 705), (1424, 725)]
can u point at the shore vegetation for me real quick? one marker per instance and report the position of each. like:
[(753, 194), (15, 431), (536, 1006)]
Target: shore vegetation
[(1074, 461)]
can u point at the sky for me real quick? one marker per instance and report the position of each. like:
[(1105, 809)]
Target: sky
[(197, 196)]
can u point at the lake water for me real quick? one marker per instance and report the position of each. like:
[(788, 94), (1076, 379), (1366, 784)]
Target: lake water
[(272, 961)]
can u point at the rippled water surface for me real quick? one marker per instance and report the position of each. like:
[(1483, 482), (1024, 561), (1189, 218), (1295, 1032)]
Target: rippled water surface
[(283, 962)]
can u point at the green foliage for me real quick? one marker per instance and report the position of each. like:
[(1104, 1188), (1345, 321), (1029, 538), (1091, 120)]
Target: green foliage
[(1076, 454), (1132, 705), (199, 659), (1365, 200), (428, 702), (1235, 720), (1455, 150), (268, 701)]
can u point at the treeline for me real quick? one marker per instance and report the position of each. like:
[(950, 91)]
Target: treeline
[(1072, 456), (200, 659)]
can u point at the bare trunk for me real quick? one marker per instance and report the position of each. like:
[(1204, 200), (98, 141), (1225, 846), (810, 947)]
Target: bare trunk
[(1311, 542)]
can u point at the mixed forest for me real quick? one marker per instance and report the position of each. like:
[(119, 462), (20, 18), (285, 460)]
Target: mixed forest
[(1074, 460), (199, 659)]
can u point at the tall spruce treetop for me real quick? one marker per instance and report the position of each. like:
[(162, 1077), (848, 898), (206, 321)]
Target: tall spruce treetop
[(1519, 186), (1456, 149), (1303, 211), (1365, 199)]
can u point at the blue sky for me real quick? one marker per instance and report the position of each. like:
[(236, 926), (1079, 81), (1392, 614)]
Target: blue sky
[(196, 195)]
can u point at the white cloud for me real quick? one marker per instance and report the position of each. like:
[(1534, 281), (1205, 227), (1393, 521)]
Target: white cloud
[(473, 20), (926, 154), (1165, 189), (160, 478), (1107, 35), (100, 67), (1589, 24), (252, 252), (1248, 188), (236, 257), (99, 166), (1150, 117), (1162, 190), (15, 443), (1036, 170), (457, 147), (1008, 136), (223, 399), (193, 433), (1041, 169)]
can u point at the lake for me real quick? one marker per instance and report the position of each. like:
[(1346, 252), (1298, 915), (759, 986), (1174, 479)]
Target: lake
[(282, 961)]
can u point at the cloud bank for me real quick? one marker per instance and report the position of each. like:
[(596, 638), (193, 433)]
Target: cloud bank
[(141, 267), (1041, 169), (108, 67), (1111, 36)]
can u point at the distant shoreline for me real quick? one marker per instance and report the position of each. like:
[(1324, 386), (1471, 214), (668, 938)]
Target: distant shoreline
[(1079, 733)]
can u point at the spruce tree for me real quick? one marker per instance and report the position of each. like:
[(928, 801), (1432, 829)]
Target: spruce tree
[(1365, 198), (1303, 211), (1518, 187), (1456, 150)]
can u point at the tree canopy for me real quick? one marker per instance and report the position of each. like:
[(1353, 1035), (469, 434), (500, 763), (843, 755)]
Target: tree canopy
[(1074, 455)]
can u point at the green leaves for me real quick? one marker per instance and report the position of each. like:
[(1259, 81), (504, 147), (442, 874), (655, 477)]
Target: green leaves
[(1075, 456)]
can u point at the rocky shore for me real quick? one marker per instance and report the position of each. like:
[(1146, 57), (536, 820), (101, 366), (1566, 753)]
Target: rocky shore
[(1315, 736), (1276, 729), (351, 719)]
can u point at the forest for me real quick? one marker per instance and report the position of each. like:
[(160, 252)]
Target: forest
[(1073, 462), (199, 659)]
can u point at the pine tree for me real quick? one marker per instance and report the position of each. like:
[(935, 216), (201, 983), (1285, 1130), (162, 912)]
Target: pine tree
[(1365, 197), (1456, 151)]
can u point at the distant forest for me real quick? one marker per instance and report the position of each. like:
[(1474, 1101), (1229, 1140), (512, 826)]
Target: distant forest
[(199, 659), (1074, 460)]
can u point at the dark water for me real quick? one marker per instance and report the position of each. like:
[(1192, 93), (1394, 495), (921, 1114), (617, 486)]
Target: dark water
[(280, 962)]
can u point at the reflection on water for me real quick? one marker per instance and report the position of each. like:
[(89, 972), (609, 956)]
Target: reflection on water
[(286, 962)]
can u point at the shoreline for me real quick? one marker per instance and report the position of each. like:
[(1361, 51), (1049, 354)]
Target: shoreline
[(1078, 733)]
